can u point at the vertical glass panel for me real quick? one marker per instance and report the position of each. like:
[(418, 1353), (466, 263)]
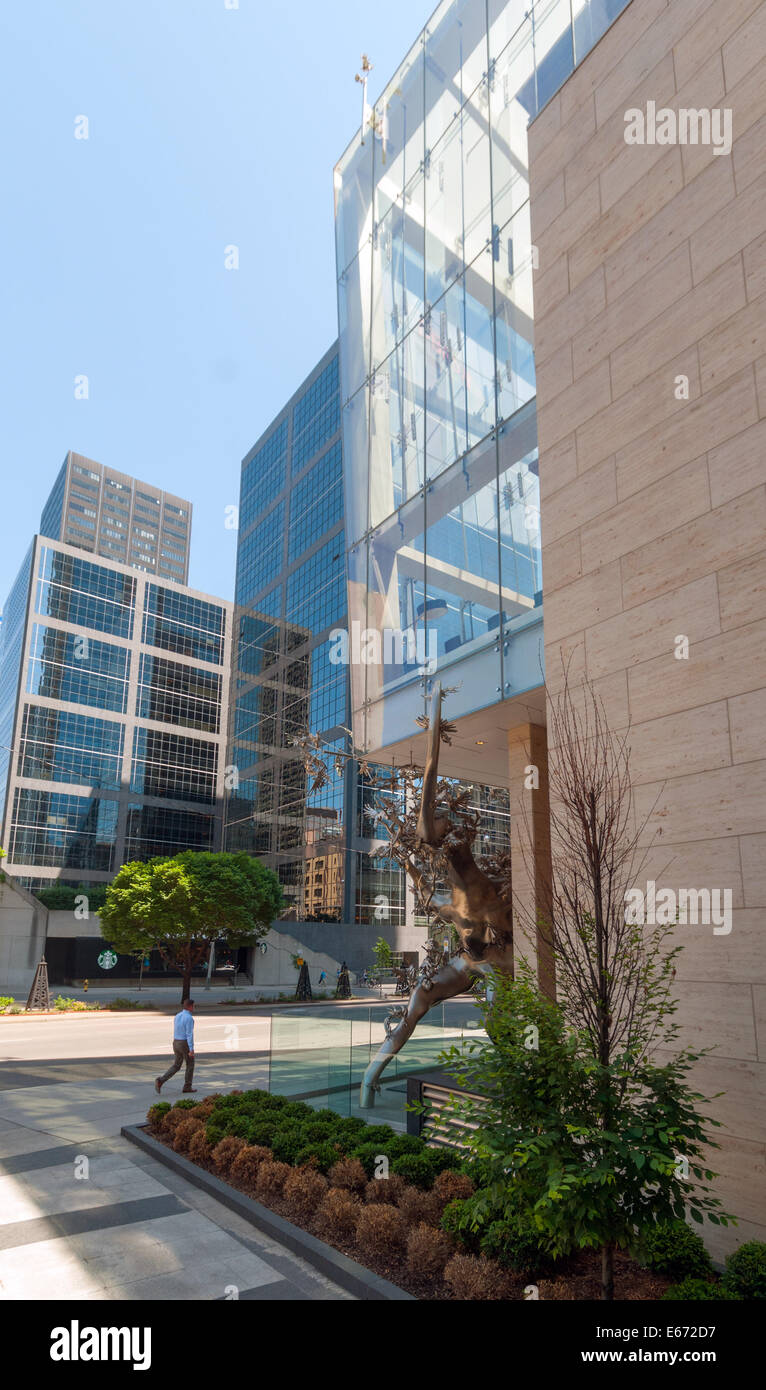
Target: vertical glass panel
[(592, 19), (446, 424), (509, 121), (357, 620), (353, 200), (521, 568), (398, 272), (456, 59), (462, 568), (554, 56), (476, 182), (396, 600), (398, 132), (353, 323), (479, 347), (397, 428), (355, 463), (514, 320)]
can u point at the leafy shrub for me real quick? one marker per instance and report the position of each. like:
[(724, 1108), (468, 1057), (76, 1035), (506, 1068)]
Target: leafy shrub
[(6, 1002), (303, 1191), (385, 1189), (244, 1169), (350, 1131), (382, 1135), (381, 1230), (405, 1144), (337, 1214), (271, 1179), (415, 1168), (515, 1245), (450, 1186), (318, 1131), (418, 1207), (458, 1220), (444, 1160), (287, 1142), (692, 1290), (65, 1005), (321, 1156), (673, 1248), (126, 1004), (225, 1152), (296, 1110), (368, 1155), (348, 1173), (199, 1149), (185, 1132), (428, 1251), (186, 1104), (746, 1270), (472, 1277), (156, 1115), (261, 1132)]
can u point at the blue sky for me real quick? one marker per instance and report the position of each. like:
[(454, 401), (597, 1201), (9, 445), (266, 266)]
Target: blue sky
[(208, 127)]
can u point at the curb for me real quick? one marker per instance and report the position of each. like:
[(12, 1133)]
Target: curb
[(352, 1277)]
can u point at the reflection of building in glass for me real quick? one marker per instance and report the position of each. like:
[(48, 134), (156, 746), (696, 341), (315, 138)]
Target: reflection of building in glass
[(291, 595), (435, 259), (112, 694)]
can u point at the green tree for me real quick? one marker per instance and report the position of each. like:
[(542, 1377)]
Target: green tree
[(384, 956), (540, 1134), (179, 905)]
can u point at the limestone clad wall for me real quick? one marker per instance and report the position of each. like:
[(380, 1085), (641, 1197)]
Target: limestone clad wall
[(652, 269)]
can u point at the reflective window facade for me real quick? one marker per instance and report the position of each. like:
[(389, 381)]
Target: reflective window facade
[(112, 693), (435, 265)]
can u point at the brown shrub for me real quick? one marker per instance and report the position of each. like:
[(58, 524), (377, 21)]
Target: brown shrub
[(244, 1169), (428, 1251), (303, 1191), (385, 1189), (337, 1214), (199, 1149), (474, 1278), (225, 1152), (173, 1119), (271, 1179), (348, 1173), (184, 1133), (381, 1230), (205, 1106), (419, 1208), (451, 1187), (552, 1289)]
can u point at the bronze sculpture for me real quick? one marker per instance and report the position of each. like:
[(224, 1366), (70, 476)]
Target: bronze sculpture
[(480, 912)]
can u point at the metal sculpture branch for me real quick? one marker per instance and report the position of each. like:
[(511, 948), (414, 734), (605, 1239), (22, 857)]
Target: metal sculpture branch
[(431, 834)]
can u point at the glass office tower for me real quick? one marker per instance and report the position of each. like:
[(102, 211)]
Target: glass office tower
[(290, 605), (435, 265), (113, 696)]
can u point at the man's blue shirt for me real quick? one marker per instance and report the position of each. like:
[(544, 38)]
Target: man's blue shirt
[(183, 1028)]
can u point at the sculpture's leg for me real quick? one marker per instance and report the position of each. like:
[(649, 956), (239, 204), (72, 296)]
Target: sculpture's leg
[(450, 980)]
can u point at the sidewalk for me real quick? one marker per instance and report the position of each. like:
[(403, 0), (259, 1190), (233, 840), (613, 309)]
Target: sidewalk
[(84, 1214)]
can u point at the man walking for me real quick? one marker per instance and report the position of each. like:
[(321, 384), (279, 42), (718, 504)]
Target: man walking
[(183, 1048)]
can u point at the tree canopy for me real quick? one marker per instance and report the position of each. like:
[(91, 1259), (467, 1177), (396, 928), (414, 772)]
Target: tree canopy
[(180, 904)]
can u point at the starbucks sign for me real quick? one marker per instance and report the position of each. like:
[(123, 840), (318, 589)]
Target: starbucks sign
[(108, 959)]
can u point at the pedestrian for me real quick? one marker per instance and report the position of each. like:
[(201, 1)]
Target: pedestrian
[(183, 1049), (322, 977)]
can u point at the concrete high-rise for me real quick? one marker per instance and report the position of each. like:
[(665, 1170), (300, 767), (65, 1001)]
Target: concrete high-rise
[(111, 514)]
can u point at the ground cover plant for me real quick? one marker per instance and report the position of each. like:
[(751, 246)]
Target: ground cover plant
[(433, 1225)]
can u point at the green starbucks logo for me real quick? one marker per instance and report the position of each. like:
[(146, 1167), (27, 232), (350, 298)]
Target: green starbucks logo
[(108, 959)]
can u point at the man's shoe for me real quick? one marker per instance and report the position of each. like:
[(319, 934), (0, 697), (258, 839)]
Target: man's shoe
[(189, 1090), (157, 1085)]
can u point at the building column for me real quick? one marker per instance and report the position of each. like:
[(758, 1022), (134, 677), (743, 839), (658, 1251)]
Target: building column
[(530, 846)]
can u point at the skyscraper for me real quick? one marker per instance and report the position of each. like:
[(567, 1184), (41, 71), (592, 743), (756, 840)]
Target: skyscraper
[(111, 514)]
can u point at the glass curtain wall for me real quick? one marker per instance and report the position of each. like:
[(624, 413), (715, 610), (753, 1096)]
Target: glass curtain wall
[(435, 262)]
